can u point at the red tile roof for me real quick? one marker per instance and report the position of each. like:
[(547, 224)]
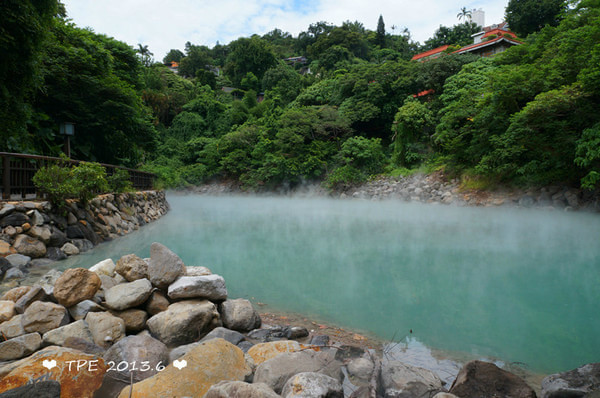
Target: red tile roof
[(486, 44), (430, 52)]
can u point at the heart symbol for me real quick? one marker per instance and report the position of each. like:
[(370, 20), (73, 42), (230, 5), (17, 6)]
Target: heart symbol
[(49, 364), (180, 364)]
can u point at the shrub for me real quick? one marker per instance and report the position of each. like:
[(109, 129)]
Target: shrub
[(344, 176), (119, 181), (89, 179), (56, 182)]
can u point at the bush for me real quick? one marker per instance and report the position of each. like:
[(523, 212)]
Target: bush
[(90, 180), (119, 181), (343, 177), (56, 182)]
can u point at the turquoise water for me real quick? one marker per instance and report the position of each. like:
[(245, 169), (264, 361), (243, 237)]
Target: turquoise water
[(518, 285)]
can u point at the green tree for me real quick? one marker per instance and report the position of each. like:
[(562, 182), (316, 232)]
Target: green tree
[(145, 55), (380, 33), (528, 16), (196, 59), (173, 55), (464, 15), (458, 35), (253, 55), (413, 124)]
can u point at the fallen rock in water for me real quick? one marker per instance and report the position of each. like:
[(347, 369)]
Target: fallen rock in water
[(239, 315), (402, 380), (128, 295), (205, 365), (184, 322), (240, 389), (165, 266), (574, 383), (210, 287), (478, 378), (76, 285), (312, 385)]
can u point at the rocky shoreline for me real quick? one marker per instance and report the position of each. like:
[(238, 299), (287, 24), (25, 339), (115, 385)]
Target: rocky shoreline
[(33, 234), (431, 188), (157, 327)]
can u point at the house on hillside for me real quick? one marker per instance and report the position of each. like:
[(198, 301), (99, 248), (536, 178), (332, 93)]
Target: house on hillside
[(174, 66), (490, 41), (431, 54)]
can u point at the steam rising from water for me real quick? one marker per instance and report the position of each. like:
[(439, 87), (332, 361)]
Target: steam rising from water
[(519, 285)]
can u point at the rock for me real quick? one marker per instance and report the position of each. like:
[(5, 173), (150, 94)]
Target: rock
[(361, 369), (138, 349), (276, 371), (36, 218), (48, 280), (402, 380), (132, 268), (479, 378), (41, 233), (69, 249), (296, 332), (12, 328), (76, 285), (106, 328), (7, 209), (55, 254), (444, 395), (240, 389), (265, 351), (71, 219), (39, 389), (312, 385), (6, 249), (4, 266), (15, 293), (18, 260), (184, 322), (83, 345), (210, 287), (77, 329), (128, 295), (36, 293), (239, 315), (105, 267), (13, 273), (57, 238), (206, 365), (14, 219), (29, 246), (197, 271), (574, 383), (526, 201), (165, 266), (80, 310), (20, 347), (245, 346), (7, 310), (83, 245), (80, 383), (157, 303), (226, 334), (135, 319), (42, 317), (319, 341)]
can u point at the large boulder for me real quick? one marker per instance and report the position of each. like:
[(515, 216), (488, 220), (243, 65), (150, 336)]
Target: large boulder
[(42, 317), (140, 350), (74, 382), (574, 383), (402, 380), (76, 285), (312, 385), (128, 295), (39, 389), (135, 319), (7, 310), (230, 336), (264, 351), (484, 379), (28, 246), (14, 219), (210, 287), (77, 329), (157, 303), (240, 389), (48, 280), (12, 328), (240, 315), (18, 260), (276, 371), (57, 238), (132, 267), (15, 293), (165, 266), (106, 328), (41, 233), (20, 347), (202, 367), (184, 322), (104, 267)]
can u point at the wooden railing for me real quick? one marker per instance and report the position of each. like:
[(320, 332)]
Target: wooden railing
[(18, 170)]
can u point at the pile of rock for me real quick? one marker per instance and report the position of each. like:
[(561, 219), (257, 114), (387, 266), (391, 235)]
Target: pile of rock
[(157, 328), (32, 234)]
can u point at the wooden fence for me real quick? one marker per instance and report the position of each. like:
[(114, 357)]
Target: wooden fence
[(18, 170)]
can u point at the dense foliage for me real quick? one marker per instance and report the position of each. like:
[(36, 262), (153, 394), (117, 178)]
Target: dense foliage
[(335, 104)]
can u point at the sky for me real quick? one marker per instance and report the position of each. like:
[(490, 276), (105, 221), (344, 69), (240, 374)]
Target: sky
[(163, 25)]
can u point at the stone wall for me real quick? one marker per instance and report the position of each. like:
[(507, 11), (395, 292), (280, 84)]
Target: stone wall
[(33, 231)]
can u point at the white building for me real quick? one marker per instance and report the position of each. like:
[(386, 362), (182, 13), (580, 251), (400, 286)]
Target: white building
[(478, 16)]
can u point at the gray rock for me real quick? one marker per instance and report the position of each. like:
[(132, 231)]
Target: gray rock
[(25, 244), (41, 233), (132, 268), (77, 329), (80, 310), (240, 315), (48, 280), (139, 349), (13, 273), (405, 381), (104, 267), (7, 209), (42, 317), (57, 238), (36, 218), (71, 219), (4, 266), (13, 327), (55, 254), (41, 262), (83, 346), (165, 266), (479, 378), (573, 383), (69, 249), (36, 293), (7, 310), (106, 328), (276, 371), (211, 287), (83, 245), (239, 389), (361, 368), (226, 334), (157, 303), (197, 271), (135, 319), (245, 346), (184, 322), (444, 395), (128, 295), (312, 385), (14, 219), (39, 389), (18, 260), (20, 347)]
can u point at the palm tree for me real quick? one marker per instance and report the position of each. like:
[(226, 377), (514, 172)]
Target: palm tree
[(464, 14), (145, 54)]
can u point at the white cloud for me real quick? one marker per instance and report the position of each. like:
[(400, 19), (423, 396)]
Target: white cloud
[(163, 25)]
